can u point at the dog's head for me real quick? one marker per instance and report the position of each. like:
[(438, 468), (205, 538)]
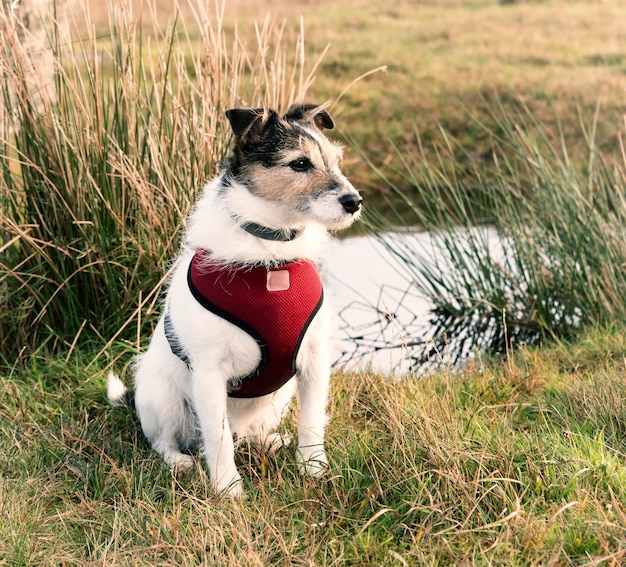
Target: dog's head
[(288, 162)]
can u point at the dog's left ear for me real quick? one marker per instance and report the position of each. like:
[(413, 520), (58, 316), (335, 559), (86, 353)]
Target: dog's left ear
[(310, 113)]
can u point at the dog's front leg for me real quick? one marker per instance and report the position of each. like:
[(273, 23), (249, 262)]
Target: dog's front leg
[(313, 383), (210, 401)]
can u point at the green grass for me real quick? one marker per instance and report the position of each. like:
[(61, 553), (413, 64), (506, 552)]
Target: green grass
[(531, 250), (558, 57), (515, 463), (95, 189), (520, 463)]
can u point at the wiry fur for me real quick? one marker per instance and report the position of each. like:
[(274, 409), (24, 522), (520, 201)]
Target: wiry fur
[(283, 174)]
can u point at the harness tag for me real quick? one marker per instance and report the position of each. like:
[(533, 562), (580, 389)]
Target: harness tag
[(278, 280)]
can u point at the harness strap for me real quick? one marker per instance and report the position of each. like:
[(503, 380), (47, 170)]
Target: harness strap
[(286, 299), (173, 340)]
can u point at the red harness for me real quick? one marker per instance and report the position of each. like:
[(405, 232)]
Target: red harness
[(275, 306)]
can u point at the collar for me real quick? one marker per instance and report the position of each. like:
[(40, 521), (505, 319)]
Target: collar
[(267, 233), (258, 230)]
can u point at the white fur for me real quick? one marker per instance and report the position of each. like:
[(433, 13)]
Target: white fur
[(116, 390), (218, 350)]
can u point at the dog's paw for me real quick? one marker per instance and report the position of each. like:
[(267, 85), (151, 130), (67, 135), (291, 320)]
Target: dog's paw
[(231, 488), (312, 461), (179, 463)]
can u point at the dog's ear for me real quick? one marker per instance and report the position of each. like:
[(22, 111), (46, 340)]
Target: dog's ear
[(250, 122), (242, 119), (310, 113)]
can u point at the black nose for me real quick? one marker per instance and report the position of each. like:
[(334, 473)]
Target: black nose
[(351, 203)]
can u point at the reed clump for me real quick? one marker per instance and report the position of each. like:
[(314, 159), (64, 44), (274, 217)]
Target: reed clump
[(527, 249), (98, 169)]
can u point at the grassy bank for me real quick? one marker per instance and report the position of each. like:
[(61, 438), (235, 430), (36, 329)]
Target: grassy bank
[(445, 60), (532, 250), (516, 464), (137, 126), (449, 59), (520, 463)]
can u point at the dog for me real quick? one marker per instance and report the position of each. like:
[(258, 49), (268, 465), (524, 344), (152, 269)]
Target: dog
[(223, 366)]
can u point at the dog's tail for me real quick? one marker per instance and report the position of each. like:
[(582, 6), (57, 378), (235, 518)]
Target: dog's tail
[(117, 392)]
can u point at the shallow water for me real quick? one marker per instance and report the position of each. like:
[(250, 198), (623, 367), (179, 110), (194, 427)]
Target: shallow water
[(376, 306), (383, 319)]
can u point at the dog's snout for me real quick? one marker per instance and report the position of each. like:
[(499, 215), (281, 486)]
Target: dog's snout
[(351, 203)]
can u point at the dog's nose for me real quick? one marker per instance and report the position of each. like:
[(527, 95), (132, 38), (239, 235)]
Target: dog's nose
[(351, 203)]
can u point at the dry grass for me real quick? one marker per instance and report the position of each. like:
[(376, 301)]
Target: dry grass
[(446, 60), (97, 180), (517, 464)]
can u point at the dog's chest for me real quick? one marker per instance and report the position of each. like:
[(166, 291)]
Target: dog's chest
[(273, 305)]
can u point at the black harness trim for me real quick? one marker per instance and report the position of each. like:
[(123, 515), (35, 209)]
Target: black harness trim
[(173, 340)]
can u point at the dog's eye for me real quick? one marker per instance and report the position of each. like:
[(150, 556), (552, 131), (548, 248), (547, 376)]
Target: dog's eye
[(301, 164)]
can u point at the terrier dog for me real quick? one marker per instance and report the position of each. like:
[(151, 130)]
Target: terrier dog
[(245, 325)]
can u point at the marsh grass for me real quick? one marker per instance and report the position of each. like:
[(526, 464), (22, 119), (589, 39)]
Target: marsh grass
[(444, 55), (531, 248), (97, 178), (517, 464)]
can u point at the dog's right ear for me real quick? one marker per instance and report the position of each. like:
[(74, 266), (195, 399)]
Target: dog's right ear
[(242, 119), (250, 122)]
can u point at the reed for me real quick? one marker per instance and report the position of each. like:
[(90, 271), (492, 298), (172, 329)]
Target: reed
[(98, 169), (531, 249)]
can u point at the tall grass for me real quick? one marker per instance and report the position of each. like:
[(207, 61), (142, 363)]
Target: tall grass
[(99, 169), (534, 248)]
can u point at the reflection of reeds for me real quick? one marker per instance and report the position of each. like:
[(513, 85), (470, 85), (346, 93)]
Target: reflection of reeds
[(95, 182), (558, 266)]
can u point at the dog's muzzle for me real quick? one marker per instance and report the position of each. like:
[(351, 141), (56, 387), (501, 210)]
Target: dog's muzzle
[(351, 203)]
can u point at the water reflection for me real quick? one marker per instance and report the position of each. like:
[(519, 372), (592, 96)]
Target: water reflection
[(384, 321), (381, 316)]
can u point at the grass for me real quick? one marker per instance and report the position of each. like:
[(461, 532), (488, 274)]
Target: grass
[(83, 193), (532, 250), (520, 463), (558, 57), (97, 179)]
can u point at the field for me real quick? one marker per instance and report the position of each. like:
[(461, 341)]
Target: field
[(515, 461), (447, 65), (518, 464)]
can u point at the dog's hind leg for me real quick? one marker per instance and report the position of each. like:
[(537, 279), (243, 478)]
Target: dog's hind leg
[(270, 443), (161, 408), (254, 421)]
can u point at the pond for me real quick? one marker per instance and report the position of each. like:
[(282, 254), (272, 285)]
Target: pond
[(383, 319)]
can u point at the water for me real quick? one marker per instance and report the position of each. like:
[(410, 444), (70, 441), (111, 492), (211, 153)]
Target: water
[(384, 322), (377, 307)]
